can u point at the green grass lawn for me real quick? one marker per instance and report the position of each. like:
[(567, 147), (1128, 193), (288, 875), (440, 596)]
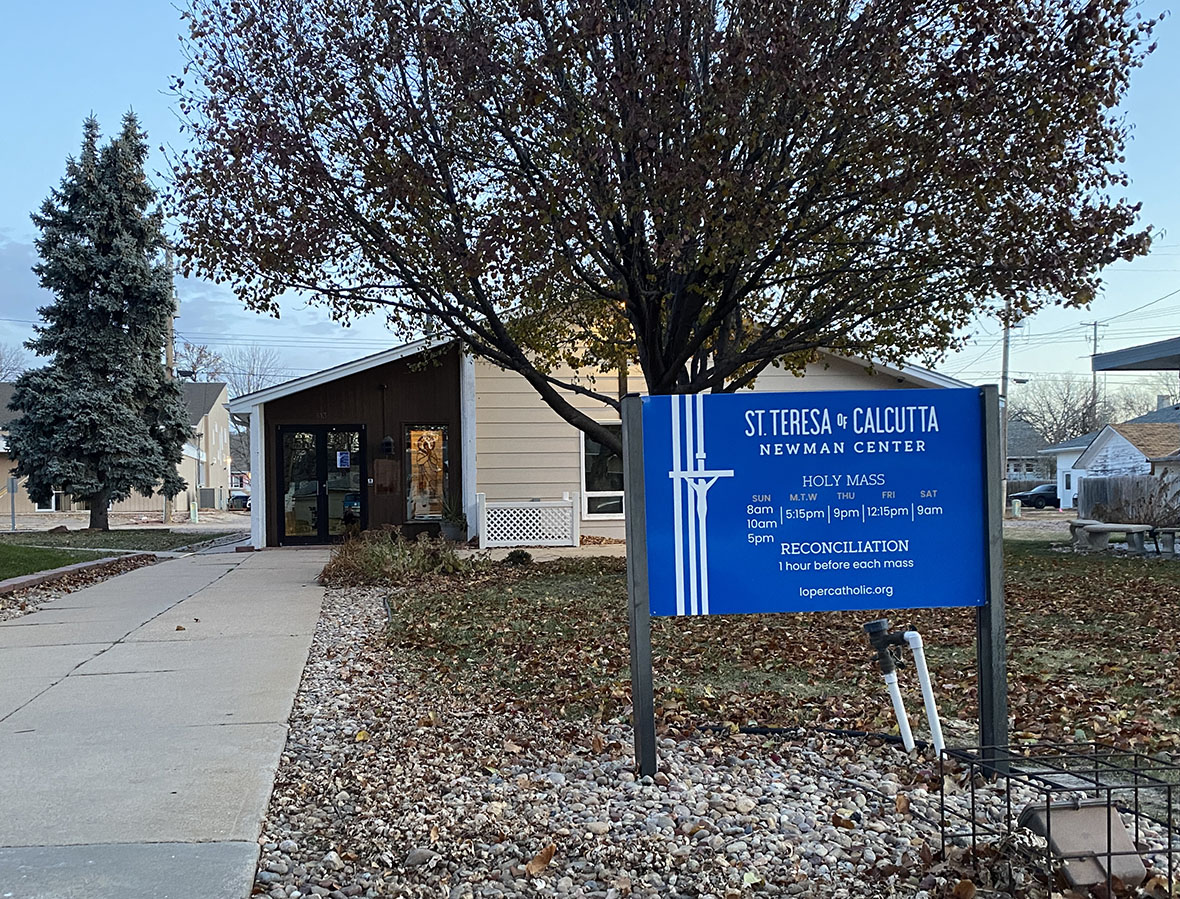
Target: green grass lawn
[(143, 539), (19, 560), (1094, 649)]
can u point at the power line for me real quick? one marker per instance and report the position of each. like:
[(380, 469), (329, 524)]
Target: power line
[(1144, 306)]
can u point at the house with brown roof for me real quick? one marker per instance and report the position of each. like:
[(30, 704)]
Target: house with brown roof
[(1127, 450)]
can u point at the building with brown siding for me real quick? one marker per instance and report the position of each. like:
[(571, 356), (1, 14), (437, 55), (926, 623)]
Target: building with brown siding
[(402, 437)]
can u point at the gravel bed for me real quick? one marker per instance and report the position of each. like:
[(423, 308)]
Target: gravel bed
[(389, 787)]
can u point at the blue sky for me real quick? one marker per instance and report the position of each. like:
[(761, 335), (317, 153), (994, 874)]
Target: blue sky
[(60, 61)]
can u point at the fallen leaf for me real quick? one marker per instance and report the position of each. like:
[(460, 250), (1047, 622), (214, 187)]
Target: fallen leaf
[(542, 859), (434, 834), (511, 747), (902, 802), (596, 744), (926, 855), (180, 627), (964, 889), (362, 736), (840, 821)]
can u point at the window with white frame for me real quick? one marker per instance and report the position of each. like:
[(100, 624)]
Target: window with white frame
[(602, 477)]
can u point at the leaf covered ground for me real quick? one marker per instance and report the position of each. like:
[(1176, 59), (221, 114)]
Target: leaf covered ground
[(1092, 650)]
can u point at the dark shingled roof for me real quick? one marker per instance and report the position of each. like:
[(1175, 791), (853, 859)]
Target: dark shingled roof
[(1078, 443), (1024, 441), (199, 398), (6, 414), (1166, 415)]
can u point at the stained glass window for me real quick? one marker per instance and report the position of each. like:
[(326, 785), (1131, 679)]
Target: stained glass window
[(426, 471)]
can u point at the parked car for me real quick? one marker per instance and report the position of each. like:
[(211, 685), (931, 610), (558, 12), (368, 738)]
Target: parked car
[(239, 501), (1039, 497)]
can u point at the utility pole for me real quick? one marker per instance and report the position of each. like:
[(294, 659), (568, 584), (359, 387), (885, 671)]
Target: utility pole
[(170, 356), (1004, 406), (1093, 423)]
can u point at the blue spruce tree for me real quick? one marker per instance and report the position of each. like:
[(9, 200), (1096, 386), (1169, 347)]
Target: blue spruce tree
[(102, 418)]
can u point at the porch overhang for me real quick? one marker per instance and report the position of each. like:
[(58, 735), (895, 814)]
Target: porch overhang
[(1163, 355)]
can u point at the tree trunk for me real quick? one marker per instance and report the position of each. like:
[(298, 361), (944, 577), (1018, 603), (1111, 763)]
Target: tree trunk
[(99, 511)]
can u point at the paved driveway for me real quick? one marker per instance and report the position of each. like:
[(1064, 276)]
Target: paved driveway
[(141, 722)]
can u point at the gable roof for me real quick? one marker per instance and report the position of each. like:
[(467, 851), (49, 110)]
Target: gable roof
[(1074, 443), (1151, 438), (200, 397), (243, 403), (1164, 414)]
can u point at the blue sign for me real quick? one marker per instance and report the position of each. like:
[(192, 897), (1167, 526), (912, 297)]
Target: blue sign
[(800, 502), (343, 459)]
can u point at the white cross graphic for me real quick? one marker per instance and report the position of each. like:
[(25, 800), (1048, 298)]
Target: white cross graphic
[(698, 478)]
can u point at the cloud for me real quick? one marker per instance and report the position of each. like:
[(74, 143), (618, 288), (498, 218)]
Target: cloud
[(305, 337)]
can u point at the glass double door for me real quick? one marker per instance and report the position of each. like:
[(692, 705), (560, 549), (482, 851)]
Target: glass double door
[(322, 494)]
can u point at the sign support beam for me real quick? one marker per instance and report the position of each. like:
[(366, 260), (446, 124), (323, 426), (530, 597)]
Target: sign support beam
[(643, 716), (991, 650)]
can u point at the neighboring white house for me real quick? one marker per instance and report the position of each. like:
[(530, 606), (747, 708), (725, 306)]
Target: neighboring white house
[(1068, 451), (1126, 450), (1066, 455), (407, 436)]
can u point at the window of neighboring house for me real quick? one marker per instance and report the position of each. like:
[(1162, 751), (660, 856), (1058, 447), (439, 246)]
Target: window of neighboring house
[(602, 477), (55, 503), (426, 471), (1067, 480)]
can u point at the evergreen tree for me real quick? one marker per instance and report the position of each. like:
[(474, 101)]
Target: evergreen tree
[(101, 419)]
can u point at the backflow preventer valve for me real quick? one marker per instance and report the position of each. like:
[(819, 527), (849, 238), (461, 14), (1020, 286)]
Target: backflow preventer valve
[(883, 642)]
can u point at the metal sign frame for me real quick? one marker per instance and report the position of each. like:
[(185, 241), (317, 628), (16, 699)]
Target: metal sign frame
[(990, 626)]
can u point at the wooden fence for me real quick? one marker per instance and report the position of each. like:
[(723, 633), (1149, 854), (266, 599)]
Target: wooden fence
[(1130, 500)]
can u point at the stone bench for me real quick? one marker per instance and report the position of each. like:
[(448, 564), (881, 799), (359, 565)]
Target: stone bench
[(1165, 539), (1098, 535), (1076, 533)]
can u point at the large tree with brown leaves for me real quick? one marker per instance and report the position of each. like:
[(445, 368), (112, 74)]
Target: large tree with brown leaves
[(705, 186)]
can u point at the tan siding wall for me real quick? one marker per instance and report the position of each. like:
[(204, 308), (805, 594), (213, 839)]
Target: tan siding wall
[(525, 451), (214, 431), (834, 375)]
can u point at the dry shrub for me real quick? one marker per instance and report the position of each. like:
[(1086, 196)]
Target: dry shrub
[(387, 557)]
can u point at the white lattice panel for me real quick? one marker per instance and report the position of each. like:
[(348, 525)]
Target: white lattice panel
[(529, 524)]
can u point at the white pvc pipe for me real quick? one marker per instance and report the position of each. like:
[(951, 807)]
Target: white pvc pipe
[(903, 722), (914, 640)]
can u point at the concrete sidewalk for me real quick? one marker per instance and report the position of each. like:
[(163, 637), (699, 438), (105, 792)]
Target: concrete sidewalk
[(141, 722)]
